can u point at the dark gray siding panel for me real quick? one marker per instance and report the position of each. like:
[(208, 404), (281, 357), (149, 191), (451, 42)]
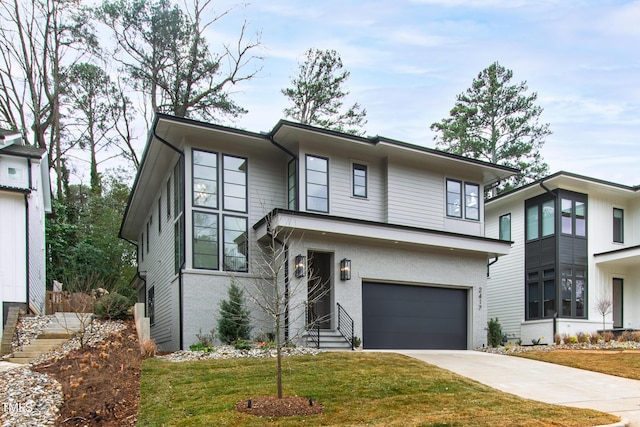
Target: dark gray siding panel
[(413, 317)]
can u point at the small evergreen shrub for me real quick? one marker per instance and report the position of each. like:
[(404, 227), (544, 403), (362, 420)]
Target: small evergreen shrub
[(113, 306), (494, 333), (242, 345), (233, 324)]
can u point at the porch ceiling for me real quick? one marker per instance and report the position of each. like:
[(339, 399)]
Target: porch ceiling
[(625, 258), (381, 233)]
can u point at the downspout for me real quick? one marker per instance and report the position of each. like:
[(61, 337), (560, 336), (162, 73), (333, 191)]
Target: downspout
[(490, 263), (287, 279), (27, 247), (181, 268)]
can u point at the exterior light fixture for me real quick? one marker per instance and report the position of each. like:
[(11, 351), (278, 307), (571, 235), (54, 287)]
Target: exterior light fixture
[(301, 263), (345, 269)]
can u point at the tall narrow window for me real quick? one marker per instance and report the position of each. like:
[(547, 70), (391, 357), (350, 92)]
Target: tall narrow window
[(291, 184), (454, 198), (618, 225), (205, 179), (205, 240), (533, 295), (151, 305), (567, 213), (147, 236), (235, 243), (580, 293), (234, 178), (178, 215), (178, 188), (471, 201), (532, 222), (581, 219), (566, 291), (549, 292), (359, 180), (159, 214), (317, 184), (169, 198), (505, 227), (548, 218)]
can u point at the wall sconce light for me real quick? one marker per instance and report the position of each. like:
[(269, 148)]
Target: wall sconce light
[(345, 269), (301, 263)]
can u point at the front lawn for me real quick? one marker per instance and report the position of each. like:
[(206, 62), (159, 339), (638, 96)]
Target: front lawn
[(620, 363), (355, 389)]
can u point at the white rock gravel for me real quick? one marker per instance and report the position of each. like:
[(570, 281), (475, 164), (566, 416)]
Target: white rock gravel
[(29, 398), (610, 345), (228, 352)]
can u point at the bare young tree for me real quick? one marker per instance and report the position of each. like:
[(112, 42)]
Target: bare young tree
[(283, 300), (604, 305)]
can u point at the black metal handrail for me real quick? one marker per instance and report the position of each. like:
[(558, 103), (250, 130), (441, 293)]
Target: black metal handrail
[(345, 326), (313, 327)]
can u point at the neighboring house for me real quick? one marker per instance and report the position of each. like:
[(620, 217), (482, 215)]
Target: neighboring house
[(576, 242), (403, 223), (25, 197)]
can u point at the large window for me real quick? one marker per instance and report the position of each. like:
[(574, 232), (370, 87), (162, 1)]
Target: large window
[(359, 180), (574, 217), (234, 184), (573, 292), (541, 294), (235, 243), (505, 227), (540, 220), (205, 240), (456, 204), (618, 225), (220, 240), (317, 184), (205, 179)]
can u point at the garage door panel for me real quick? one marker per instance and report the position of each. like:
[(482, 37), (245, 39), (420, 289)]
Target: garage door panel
[(421, 317)]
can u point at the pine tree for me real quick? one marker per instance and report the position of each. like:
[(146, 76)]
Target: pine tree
[(233, 324)]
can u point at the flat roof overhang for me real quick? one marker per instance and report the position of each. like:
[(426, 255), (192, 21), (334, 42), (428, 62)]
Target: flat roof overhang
[(381, 233), (625, 258)]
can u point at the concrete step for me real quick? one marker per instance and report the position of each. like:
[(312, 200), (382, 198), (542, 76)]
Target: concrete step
[(28, 354), (44, 345), (56, 335), (20, 360)]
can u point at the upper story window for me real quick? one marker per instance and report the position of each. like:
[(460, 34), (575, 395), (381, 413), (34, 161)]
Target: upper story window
[(292, 184), (359, 180), (574, 216), (540, 220), (205, 179), (317, 184), (504, 226), (220, 238), (456, 204), (169, 198), (618, 225), (234, 178)]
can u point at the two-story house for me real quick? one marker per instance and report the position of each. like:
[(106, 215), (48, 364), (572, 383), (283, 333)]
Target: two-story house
[(576, 244), (25, 197), (394, 232)]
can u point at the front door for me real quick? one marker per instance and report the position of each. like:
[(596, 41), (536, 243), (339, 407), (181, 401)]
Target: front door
[(319, 278), (617, 302)]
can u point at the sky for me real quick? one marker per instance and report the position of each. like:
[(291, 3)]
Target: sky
[(409, 59)]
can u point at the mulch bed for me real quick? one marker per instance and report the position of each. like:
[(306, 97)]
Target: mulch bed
[(100, 385), (271, 406)]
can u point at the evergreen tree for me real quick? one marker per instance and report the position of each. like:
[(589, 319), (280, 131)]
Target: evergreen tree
[(497, 122), (317, 94), (233, 324)]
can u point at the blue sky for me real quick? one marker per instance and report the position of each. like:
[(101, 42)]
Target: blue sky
[(409, 59)]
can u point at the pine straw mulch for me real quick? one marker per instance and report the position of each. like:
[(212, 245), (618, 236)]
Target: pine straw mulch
[(101, 384), (271, 406)]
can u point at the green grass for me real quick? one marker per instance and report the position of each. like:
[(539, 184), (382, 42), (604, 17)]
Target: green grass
[(624, 364), (354, 388)]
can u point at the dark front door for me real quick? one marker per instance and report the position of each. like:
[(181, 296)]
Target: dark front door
[(319, 289), (617, 302), (413, 317)]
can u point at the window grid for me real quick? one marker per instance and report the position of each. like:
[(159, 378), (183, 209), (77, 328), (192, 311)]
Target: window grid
[(317, 184)]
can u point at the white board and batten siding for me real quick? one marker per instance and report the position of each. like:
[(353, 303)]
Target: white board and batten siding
[(505, 290)]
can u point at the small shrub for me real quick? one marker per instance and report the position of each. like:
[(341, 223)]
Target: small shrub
[(557, 339), (242, 345), (233, 324), (356, 342), (573, 340), (635, 336), (149, 348), (595, 337), (206, 339), (494, 333), (113, 306), (608, 336), (583, 338), (265, 337), (536, 341)]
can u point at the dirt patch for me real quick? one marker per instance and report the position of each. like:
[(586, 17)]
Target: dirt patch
[(101, 384), (271, 406)]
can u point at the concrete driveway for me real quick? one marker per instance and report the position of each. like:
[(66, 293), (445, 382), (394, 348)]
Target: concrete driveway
[(544, 382)]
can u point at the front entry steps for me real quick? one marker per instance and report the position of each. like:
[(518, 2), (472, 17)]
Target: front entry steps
[(330, 339), (61, 329)]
